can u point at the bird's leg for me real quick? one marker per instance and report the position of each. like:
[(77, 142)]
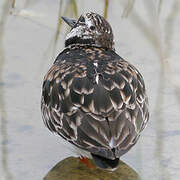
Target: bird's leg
[(86, 162)]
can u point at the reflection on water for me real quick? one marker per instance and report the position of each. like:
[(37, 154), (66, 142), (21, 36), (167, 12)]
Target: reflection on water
[(71, 168), (4, 172), (146, 33)]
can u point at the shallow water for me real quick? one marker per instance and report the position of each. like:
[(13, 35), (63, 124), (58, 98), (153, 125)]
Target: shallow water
[(146, 34)]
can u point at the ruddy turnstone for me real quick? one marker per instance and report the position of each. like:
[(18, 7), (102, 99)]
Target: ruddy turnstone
[(91, 96)]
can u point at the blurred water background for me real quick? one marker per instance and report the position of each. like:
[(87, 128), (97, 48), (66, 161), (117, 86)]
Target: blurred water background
[(31, 36)]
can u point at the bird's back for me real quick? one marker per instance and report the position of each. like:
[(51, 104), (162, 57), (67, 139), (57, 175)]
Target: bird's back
[(95, 100)]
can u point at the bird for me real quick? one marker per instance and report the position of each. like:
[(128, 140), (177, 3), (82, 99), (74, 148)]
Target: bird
[(91, 96)]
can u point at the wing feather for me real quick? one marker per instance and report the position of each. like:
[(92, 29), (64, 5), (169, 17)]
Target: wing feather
[(96, 116)]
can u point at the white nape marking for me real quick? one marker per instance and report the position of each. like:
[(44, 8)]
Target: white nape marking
[(74, 32), (97, 78), (74, 108), (95, 64), (111, 143), (89, 22)]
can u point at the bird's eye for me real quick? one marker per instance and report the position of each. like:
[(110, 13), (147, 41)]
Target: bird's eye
[(92, 28), (82, 19)]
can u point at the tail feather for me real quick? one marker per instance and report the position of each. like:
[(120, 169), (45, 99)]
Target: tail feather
[(105, 163)]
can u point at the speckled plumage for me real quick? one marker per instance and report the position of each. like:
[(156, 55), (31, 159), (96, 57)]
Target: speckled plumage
[(92, 97)]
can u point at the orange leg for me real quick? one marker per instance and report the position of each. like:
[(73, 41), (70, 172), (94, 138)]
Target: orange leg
[(85, 161)]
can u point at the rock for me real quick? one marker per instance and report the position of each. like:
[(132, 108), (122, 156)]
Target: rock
[(72, 169)]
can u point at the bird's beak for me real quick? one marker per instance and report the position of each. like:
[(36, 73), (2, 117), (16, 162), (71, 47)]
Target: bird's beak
[(70, 22)]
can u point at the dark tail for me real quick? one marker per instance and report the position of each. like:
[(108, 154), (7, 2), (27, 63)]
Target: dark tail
[(105, 163)]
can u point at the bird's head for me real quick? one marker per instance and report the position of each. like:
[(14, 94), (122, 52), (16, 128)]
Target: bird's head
[(91, 29)]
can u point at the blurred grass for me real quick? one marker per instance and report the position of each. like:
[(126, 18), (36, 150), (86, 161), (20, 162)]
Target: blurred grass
[(70, 5), (128, 7), (159, 6), (13, 4), (58, 25), (163, 48), (106, 5), (67, 8), (3, 115), (170, 23), (70, 10), (153, 35)]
